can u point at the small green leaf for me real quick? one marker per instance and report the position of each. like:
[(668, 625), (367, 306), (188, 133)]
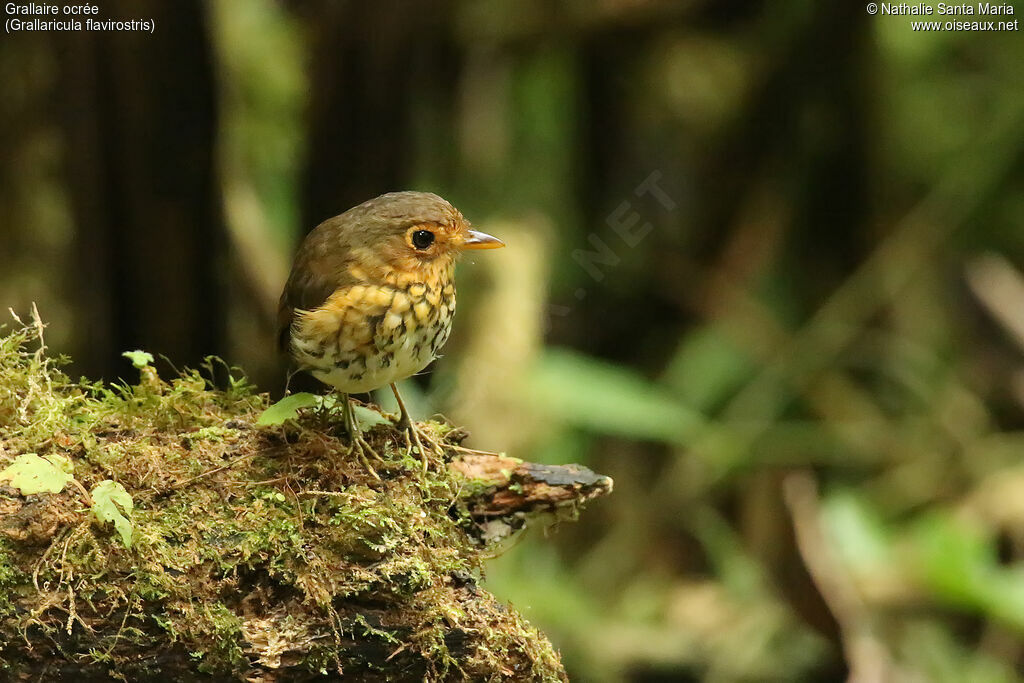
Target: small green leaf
[(112, 503), (61, 462), (31, 474), (139, 359), (326, 402), (287, 408)]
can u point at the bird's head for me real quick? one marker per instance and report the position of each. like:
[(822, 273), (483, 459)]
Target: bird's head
[(409, 232)]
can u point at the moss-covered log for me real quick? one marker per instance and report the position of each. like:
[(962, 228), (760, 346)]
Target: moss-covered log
[(256, 553)]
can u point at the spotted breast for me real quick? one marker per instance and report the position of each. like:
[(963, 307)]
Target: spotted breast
[(368, 336)]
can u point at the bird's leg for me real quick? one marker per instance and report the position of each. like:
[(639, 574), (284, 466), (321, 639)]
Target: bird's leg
[(356, 441), (412, 434)]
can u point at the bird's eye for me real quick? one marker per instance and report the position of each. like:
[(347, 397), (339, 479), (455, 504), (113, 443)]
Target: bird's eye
[(421, 239)]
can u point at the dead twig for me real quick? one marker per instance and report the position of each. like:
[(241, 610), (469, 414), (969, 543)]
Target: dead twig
[(868, 658)]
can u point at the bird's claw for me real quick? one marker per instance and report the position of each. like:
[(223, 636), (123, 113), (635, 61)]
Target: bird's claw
[(361, 447), (356, 441), (414, 438)]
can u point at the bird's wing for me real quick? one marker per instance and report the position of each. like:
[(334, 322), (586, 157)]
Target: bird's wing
[(320, 270), (301, 294), (348, 320)]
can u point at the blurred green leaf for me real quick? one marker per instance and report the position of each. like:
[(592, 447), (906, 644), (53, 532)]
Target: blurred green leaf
[(858, 533), (608, 399), (287, 408), (416, 400), (367, 418), (738, 572), (953, 558), (112, 503), (958, 562), (31, 474), (564, 446), (706, 368)]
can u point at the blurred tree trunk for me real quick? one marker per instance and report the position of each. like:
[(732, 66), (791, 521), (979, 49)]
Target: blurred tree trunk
[(370, 60), (140, 124)]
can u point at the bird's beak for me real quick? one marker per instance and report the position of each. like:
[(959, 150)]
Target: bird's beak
[(481, 240)]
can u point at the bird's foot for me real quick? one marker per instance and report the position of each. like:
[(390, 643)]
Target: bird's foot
[(414, 437), (414, 440), (413, 443), (359, 446), (357, 443)]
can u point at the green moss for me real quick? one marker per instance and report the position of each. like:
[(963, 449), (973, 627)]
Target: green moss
[(10, 576), (232, 520), (219, 630)]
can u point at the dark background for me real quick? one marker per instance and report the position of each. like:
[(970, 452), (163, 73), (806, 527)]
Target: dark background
[(763, 270)]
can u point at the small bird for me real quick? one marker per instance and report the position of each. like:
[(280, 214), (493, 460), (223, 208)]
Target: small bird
[(371, 296)]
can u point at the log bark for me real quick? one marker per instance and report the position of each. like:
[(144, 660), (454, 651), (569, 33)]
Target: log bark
[(516, 491)]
